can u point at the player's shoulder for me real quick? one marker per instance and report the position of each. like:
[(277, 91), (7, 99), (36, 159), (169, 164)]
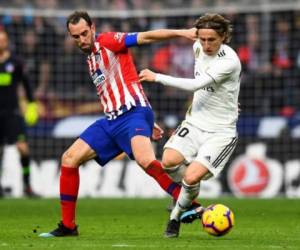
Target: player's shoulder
[(197, 48), (197, 45), (227, 52), (111, 35)]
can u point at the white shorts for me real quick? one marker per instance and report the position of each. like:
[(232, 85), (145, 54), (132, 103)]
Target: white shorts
[(211, 149)]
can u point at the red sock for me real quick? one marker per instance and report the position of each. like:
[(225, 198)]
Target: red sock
[(69, 185), (156, 171)]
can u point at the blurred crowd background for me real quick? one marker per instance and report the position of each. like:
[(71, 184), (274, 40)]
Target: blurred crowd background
[(133, 4), (266, 38)]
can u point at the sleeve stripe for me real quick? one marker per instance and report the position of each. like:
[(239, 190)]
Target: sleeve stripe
[(131, 40)]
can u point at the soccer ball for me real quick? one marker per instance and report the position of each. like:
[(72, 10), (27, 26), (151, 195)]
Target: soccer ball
[(217, 220)]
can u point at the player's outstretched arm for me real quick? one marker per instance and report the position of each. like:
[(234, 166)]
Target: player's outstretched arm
[(182, 83), (164, 34)]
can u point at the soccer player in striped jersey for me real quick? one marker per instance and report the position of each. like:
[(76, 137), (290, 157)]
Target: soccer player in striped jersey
[(129, 120), (207, 137)]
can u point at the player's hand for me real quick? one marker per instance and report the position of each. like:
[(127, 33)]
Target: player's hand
[(147, 75), (190, 34), (31, 115), (157, 132)]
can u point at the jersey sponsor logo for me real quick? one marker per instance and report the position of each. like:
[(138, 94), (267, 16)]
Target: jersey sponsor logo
[(221, 53), (98, 77), (97, 57), (208, 89)]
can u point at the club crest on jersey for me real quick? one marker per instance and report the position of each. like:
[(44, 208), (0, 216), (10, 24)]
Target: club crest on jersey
[(98, 77), (118, 36)]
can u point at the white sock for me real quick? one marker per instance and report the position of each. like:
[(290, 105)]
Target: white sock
[(176, 173), (187, 194)]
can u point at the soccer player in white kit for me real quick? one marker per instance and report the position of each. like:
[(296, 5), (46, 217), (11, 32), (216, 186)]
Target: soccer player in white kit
[(207, 137)]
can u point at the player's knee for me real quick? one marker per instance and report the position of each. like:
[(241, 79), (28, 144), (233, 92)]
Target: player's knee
[(191, 179), (168, 162), (68, 158), (171, 158), (143, 162)]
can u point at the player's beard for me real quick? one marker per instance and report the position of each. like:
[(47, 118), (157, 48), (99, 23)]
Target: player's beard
[(86, 49)]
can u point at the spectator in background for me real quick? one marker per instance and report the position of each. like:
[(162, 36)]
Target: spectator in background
[(28, 46), (49, 4), (121, 5), (47, 44), (12, 127), (157, 22), (70, 75), (175, 58), (15, 26), (137, 4), (296, 48), (296, 45), (36, 43), (256, 70), (282, 54), (283, 93), (182, 62), (196, 4)]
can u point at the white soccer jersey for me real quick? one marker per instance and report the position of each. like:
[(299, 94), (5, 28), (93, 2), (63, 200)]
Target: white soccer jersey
[(216, 87), (215, 106)]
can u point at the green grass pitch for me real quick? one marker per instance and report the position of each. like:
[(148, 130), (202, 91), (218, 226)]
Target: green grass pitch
[(139, 224)]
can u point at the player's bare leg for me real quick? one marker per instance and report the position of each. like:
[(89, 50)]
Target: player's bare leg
[(145, 157), (175, 166), (77, 154)]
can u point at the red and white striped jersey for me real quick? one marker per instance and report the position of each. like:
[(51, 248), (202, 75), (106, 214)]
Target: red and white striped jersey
[(114, 74)]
